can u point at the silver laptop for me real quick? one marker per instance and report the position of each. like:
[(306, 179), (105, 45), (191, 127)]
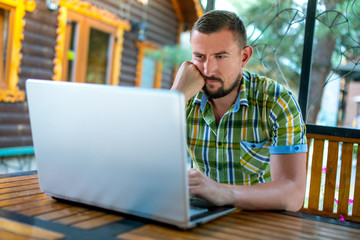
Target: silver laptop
[(118, 148)]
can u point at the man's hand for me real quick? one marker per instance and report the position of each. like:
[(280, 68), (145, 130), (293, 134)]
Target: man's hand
[(206, 188), (188, 80), (286, 191)]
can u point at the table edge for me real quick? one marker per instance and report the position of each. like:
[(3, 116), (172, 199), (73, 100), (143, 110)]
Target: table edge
[(18, 174)]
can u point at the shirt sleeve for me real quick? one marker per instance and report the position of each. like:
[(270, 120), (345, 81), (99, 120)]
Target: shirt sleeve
[(288, 133)]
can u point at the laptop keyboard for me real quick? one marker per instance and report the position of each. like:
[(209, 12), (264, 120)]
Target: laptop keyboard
[(199, 205), (197, 210), (199, 202)]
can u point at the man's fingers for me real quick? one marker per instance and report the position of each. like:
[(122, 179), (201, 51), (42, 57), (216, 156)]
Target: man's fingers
[(196, 179)]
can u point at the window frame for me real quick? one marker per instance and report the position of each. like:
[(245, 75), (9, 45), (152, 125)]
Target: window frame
[(87, 16), (85, 24), (9, 90), (142, 48)]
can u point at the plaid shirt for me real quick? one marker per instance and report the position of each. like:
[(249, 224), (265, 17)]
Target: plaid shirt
[(265, 119)]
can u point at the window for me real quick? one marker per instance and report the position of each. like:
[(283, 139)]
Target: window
[(11, 27), (149, 70), (91, 60), (334, 87), (89, 44), (276, 31)]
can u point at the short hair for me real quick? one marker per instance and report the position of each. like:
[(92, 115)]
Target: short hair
[(217, 20)]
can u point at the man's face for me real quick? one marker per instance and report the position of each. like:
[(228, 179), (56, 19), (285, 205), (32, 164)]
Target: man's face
[(219, 59)]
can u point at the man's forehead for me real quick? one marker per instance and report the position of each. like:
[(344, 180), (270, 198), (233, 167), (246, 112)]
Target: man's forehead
[(224, 32), (222, 41)]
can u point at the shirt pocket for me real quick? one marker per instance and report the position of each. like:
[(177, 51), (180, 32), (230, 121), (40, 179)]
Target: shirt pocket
[(254, 157)]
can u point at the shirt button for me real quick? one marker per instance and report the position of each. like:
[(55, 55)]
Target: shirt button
[(253, 145), (219, 143), (297, 148)]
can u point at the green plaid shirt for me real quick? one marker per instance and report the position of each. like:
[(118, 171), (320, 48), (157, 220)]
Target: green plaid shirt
[(265, 119)]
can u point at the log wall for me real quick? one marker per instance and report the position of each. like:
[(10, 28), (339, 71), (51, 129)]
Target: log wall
[(38, 52)]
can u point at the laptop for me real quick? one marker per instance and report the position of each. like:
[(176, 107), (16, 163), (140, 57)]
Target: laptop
[(118, 148)]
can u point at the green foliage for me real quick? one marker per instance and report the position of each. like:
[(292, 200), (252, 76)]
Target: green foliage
[(170, 55), (276, 33)]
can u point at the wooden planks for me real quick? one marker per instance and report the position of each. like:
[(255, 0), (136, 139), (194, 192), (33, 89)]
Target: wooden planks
[(344, 188), (84, 223), (14, 125), (23, 195), (356, 204), (335, 144), (96, 222), (316, 174), (14, 230), (331, 171), (248, 225)]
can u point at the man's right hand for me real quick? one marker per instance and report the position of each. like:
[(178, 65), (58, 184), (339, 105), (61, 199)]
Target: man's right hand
[(188, 80)]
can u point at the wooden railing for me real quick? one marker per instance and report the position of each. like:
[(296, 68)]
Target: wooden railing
[(331, 158)]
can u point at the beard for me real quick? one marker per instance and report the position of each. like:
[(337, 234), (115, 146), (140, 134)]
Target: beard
[(221, 92)]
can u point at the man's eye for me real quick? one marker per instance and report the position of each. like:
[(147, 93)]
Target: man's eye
[(200, 57), (221, 56)]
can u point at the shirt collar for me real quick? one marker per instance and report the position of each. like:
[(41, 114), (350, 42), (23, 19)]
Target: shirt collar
[(244, 90)]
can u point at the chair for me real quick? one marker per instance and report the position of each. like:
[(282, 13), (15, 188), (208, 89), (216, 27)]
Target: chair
[(323, 179)]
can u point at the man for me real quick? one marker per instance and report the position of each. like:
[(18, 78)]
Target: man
[(245, 133)]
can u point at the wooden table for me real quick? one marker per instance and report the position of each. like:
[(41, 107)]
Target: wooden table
[(25, 212)]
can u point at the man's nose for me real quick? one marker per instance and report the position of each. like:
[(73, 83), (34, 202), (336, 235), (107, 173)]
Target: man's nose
[(210, 67)]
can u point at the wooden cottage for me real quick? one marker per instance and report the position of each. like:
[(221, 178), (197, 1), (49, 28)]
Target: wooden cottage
[(94, 41)]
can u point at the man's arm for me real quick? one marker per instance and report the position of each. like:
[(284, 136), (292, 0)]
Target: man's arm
[(286, 191), (188, 80)]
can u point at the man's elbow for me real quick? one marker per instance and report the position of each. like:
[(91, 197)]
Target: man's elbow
[(295, 205), (296, 201)]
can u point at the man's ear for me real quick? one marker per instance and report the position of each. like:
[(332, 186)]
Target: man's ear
[(246, 53)]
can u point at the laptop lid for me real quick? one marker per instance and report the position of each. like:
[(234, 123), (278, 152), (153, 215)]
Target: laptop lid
[(119, 148)]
